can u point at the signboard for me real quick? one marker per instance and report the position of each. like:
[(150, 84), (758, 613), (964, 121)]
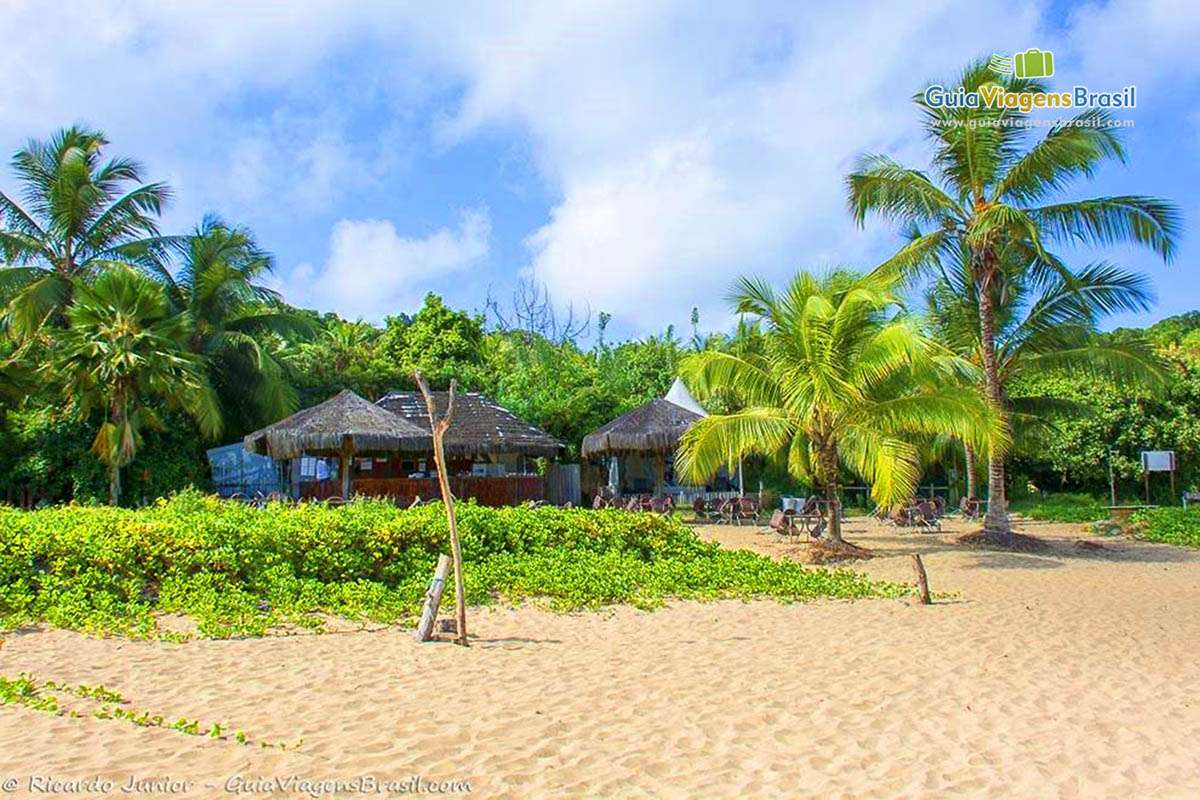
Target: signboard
[(1158, 460)]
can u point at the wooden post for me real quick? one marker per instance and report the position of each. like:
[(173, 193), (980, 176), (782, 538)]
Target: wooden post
[(922, 580), (433, 598), (438, 428), (346, 459)]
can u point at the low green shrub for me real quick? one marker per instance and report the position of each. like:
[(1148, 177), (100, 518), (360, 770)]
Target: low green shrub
[(1171, 525), (1063, 508), (238, 570)]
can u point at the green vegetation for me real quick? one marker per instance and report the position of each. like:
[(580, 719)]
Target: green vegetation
[(238, 570), (27, 691), (1170, 525), (1066, 507), (837, 383), (121, 351)]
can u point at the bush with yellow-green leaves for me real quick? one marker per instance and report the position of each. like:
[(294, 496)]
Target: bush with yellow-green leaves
[(238, 570)]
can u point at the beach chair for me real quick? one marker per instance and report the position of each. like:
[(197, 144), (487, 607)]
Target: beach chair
[(747, 510), (783, 524), (925, 517), (969, 508), (809, 516)]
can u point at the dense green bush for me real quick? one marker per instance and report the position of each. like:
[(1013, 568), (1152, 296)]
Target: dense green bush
[(1171, 525), (1064, 507), (239, 570)]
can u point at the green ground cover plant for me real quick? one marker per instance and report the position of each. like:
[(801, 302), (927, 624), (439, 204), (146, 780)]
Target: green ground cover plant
[(1064, 507), (239, 570), (1178, 526), (27, 691)]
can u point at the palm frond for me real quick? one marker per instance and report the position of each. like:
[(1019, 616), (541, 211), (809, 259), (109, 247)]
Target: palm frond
[(1106, 221)]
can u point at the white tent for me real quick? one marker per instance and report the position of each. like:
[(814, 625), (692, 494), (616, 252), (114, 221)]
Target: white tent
[(680, 396)]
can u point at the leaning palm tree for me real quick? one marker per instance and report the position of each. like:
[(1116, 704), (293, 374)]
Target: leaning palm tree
[(837, 382), (122, 349), (78, 215), (1043, 327), (232, 318), (989, 192)]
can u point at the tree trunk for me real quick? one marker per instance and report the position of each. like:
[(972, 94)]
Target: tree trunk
[(438, 429), (829, 461), (996, 522), (969, 456), (114, 485)]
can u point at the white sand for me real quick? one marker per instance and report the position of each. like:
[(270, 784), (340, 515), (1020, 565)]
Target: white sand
[(1063, 675)]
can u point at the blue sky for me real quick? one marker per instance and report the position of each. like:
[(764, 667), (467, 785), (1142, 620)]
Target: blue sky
[(633, 157)]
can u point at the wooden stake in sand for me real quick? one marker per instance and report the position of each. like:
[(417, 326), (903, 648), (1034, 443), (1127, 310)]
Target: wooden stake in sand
[(438, 429), (433, 598), (922, 580)]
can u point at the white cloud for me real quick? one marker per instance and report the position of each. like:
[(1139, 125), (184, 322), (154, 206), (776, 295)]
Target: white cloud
[(372, 271), (685, 143)]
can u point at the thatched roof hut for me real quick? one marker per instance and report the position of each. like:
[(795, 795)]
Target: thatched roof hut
[(344, 422), (653, 428), (479, 426)]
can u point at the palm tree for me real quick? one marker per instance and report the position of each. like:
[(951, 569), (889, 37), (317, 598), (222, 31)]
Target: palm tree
[(232, 318), (989, 194), (837, 382), (1040, 328), (80, 215), (123, 348)]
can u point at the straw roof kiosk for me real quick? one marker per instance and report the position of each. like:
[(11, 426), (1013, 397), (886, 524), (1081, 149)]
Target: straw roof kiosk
[(649, 431), (481, 427), (343, 425)]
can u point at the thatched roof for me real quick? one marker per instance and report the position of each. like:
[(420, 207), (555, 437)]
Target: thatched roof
[(343, 421), (478, 426), (652, 428)]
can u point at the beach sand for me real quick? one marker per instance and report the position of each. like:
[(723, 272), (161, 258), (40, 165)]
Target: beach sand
[(1066, 674)]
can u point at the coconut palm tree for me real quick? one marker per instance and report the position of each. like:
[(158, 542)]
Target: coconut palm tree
[(1042, 327), (78, 214), (990, 191), (232, 317), (124, 348), (837, 382)]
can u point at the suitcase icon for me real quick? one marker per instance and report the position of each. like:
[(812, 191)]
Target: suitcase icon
[(1034, 63)]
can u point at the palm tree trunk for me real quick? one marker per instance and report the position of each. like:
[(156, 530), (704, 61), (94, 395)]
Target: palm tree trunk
[(969, 456), (829, 461), (114, 485), (996, 523)]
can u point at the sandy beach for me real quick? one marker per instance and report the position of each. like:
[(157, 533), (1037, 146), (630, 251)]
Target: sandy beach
[(1071, 673)]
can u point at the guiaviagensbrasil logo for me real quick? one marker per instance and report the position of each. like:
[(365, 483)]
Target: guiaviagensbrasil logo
[(1032, 63)]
